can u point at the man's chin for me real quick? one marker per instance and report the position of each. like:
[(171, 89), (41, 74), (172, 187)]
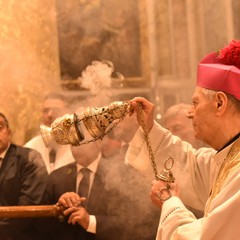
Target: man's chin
[(197, 135)]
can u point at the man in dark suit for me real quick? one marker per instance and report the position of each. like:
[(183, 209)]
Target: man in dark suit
[(116, 204), (23, 178)]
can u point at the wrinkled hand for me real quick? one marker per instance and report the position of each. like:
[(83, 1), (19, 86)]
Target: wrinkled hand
[(148, 111), (162, 191), (70, 199), (77, 215)]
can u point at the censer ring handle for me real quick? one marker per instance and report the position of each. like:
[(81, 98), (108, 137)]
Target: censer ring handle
[(169, 163)]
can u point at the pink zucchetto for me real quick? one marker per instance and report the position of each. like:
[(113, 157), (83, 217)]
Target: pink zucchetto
[(220, 71)]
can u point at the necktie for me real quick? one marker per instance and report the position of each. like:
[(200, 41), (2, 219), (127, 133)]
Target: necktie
[(52, 158), (83, 187)]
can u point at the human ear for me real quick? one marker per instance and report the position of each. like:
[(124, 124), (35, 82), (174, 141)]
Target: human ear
[(221, 102)]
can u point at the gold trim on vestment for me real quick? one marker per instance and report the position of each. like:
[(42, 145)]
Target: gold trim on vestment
[(228, 167)]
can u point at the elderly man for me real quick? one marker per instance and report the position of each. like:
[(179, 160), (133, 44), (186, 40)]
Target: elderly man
[(205, 179)]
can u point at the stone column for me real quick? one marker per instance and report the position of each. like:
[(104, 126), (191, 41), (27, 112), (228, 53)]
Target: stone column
[(29, 65)]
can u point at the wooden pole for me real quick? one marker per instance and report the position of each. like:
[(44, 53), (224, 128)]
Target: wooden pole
[(34, 211)]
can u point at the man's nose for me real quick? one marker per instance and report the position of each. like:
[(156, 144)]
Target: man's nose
[(190, 114), (50, 112)]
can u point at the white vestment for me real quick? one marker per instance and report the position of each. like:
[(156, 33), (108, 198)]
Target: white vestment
[(195, 172), (63, 153)]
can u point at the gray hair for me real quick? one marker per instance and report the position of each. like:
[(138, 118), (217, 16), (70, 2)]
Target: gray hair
[(175, 110), (209, 93), (235, 103)]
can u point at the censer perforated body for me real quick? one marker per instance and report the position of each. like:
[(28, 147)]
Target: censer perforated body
[(68, 129)]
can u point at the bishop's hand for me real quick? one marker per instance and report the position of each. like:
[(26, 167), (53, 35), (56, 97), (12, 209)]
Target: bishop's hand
[(147, 109), (162, 191)]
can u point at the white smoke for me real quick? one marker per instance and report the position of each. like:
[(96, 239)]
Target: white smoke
[(97, 76)]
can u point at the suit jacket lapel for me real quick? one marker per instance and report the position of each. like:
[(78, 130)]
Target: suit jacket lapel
[(8, 161), (70, 178)]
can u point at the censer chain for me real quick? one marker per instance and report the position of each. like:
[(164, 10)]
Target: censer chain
[(147, 139)]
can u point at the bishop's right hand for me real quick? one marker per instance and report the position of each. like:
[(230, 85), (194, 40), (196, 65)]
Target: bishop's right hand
[(147, 111)]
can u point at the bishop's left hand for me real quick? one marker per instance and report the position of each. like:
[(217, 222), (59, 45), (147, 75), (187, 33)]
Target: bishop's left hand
[(162, 191)]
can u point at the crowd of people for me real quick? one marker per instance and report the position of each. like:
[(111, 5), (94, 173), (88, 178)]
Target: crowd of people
[(103, 187), (116, 204)]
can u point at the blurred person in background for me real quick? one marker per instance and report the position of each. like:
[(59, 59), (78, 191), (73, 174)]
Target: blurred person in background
[(54, 105), (111, 146), (117, 142), (176, 120), (23, 178)]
